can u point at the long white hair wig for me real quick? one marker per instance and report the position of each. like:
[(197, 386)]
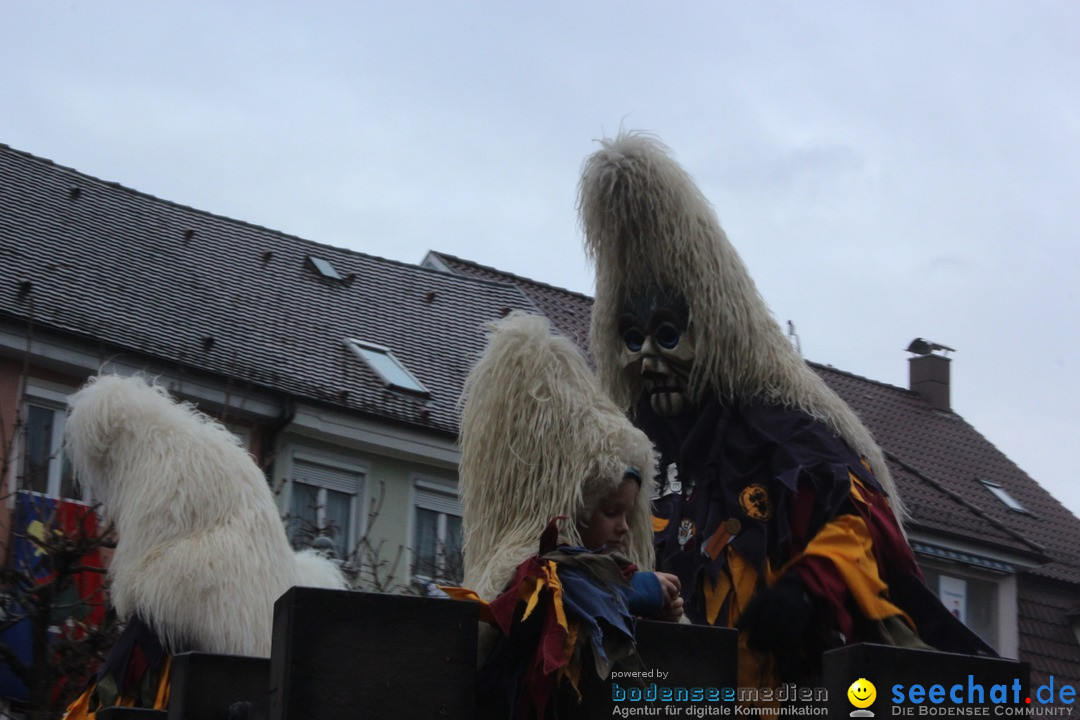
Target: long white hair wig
[(648, 227), (201, 551), (540, 439)]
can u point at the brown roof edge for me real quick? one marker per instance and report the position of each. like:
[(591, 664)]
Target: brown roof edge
[(1037, 549)]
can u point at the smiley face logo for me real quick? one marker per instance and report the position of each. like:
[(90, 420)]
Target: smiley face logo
[(862, 693)]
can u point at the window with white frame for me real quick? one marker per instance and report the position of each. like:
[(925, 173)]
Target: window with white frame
[(324, 501), (43, 468), (436, 533), (976, 599)]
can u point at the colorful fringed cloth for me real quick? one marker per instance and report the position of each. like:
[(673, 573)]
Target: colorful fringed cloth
[(568, 611), (136, 673)]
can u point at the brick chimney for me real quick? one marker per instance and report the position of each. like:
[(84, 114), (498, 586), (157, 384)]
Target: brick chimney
[(929, 373)]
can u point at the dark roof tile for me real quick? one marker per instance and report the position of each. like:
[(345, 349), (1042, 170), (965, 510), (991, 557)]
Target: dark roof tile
[(1046, 638), (568, 311), (949, 451)]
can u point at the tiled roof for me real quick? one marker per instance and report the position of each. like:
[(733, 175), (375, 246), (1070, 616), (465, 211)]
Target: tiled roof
[(1046, 639), (568, 311), (146, 276), (940, 448)]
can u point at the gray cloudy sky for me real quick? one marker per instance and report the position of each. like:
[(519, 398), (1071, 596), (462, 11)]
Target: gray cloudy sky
[(887, 169)]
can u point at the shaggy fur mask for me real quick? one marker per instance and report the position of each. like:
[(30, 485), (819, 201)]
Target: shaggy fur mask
[(201, 551), (648, 226), (539, 440)]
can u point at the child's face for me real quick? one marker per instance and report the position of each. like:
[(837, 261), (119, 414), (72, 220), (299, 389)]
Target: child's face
[(606, 528)]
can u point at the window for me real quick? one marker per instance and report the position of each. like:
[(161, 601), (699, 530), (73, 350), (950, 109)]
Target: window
[(1003, 495), (971, 600), (982, 598), (324, 500), (386, 366), (436, 534), (44, 469), (324, 267)]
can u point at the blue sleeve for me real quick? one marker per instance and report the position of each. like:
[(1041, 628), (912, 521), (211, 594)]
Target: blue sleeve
[(645, 596)]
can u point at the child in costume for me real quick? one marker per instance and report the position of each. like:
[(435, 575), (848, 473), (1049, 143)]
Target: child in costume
[(555, 485), (602, 531), (775, 506)]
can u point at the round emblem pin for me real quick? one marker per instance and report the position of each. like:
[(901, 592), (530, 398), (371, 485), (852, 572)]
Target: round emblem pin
[(755, 502)]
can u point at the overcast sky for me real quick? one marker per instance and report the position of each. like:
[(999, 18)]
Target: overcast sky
[(888, 170)]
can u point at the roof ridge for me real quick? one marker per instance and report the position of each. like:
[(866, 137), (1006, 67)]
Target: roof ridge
[(509, 274)]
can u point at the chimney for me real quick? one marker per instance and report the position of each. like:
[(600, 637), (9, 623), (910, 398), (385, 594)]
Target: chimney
[(929, 373)]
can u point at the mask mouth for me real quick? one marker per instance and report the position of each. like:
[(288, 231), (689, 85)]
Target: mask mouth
[(666, 389)]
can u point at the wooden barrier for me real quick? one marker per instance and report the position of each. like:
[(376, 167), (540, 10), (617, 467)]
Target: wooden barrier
[(340, 654), (125, 713), (205, 686)]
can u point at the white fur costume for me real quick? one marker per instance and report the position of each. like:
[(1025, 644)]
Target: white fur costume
[(539, 439), (202, 553), (648, 225)]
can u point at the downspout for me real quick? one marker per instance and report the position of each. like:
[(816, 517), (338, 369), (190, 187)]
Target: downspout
[(267, 452)]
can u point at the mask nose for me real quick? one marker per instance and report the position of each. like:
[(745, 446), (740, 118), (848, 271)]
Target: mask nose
[(652, 366)]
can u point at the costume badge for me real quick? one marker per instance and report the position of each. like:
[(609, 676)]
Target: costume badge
[(673, 478), (687, 529), (755, 502)]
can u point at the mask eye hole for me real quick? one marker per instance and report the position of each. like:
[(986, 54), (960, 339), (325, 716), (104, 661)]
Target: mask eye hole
[(634, 339), (667, 336)]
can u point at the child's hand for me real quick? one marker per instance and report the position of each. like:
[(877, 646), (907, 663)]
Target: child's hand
[(673, 602)]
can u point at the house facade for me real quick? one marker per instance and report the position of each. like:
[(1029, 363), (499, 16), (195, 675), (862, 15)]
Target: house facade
[(341, 374)]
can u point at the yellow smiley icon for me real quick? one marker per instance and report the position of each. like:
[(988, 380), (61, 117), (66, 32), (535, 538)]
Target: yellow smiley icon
[(862, 693)]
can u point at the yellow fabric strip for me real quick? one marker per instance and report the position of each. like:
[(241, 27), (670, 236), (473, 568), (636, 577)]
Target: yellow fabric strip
[(659, 524), (460, 593), (847, 544), (737, 582), (556, 594), (715, 594), (745, 578), (856, 487), (79, 709), (161, 702)]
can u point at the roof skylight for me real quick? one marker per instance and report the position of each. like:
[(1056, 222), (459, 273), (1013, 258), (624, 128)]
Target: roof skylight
[(387, 366), (1003, 495), (324, 267)]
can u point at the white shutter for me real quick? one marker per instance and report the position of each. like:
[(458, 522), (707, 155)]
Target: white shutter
[(331, 478), (443, 502)]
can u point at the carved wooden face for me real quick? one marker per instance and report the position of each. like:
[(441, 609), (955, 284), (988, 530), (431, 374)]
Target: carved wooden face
[(659, 345)]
